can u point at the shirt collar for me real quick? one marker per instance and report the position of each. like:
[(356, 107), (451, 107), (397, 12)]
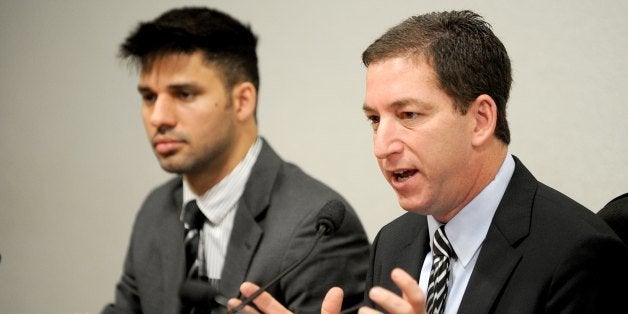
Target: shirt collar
[(466, 231), (218, 201)]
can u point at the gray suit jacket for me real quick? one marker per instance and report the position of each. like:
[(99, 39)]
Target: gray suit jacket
[(543, 253), (274, 225)]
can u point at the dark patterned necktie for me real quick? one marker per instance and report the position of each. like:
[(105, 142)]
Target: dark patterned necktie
[(442, 252), (193, 223)]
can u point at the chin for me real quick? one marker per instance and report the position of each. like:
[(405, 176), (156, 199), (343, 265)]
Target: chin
[(172, 167), (414, 206)]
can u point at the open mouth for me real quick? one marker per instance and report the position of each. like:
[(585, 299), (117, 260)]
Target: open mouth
[(401, 176)]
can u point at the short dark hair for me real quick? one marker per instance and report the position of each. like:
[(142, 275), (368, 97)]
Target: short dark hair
[(226, 43), (467, 57)]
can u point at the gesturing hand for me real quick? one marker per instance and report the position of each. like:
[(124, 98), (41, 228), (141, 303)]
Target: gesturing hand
[(412, 300), (267, 304)]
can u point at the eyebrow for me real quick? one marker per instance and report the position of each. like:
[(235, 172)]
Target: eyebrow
[(398, 104), (172, 87), (143, 89)]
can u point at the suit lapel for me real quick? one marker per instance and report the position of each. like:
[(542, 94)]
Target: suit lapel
[(404, 251), (245, 237), (247, 231), (172, 251), (411, 256), (496, 262), (499, 255)]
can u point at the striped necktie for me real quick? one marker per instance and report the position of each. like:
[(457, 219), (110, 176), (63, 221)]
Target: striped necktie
[(194, 256), (439, 275)]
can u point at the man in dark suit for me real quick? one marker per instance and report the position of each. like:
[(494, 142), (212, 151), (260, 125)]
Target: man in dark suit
[(481, 235), (258, 214)]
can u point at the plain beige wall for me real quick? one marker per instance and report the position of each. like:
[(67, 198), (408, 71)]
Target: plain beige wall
[(76, 165)]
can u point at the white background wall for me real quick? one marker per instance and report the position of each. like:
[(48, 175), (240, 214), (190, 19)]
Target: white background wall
[(75, 164)]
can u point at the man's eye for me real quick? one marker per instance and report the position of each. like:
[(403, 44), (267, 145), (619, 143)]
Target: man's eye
[(409, 115), (186, 95), (149, 98), (374, 120)]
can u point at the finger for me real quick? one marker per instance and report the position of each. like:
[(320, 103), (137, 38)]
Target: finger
[(410, 289), (248, 288), (332, 304), (389, 301), (368, 310), (264, 302), (233, 303)]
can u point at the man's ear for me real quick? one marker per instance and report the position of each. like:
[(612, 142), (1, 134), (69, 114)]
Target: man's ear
[(244, 96), (484, 111)]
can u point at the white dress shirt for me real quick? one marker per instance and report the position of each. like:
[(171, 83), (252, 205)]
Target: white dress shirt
[(219, 207)]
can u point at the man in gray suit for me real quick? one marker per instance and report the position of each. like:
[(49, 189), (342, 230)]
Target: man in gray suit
[(258, 214), (481, 235)]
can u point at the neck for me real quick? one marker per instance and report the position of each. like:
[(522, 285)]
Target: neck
[(203, 180), (488, 161)]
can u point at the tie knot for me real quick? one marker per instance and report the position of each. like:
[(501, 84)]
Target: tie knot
[(442, 246), (193, 217)]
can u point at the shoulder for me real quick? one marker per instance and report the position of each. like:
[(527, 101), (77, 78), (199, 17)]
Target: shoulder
[(163, 200), (565, 235), (296, 201), (299, 196), (547, 226), (565, 217), (580, 250), (165, 190), (289, 187), (293, 179), (277, 182), (550, 211)]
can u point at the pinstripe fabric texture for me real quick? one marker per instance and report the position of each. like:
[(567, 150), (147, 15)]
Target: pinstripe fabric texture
[(219, 207)]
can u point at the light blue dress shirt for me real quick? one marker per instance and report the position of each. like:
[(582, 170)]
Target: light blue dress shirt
[(466, 232)]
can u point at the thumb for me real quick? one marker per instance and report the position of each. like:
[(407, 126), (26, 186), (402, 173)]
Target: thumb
[(332, 304)]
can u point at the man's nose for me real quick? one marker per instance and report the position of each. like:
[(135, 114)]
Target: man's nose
[(163, 113), (386, 141)]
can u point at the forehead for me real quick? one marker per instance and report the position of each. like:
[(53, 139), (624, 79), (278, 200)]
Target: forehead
[(148, 61), (172, 67), (171, 62), (414, 68), (401, 79)]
